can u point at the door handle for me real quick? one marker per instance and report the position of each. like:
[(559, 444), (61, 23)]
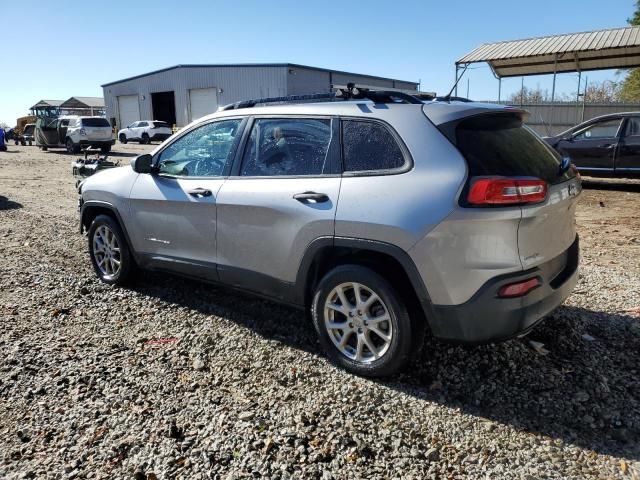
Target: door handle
[(311, 197), (608, 146), (200, 192)]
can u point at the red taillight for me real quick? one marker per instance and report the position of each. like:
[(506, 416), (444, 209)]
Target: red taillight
[(505, 191), (518, 289)]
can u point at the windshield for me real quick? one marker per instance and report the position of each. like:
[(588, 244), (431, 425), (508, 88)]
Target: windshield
[(95, 122), (28, 129), (499, 144)]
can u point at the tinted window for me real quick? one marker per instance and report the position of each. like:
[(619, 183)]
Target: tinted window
[(369, 146), (95, 122), (143, 124), (203, 152), (291, 146), (160, 125), (633, 127), (501, 145), (606, 129)]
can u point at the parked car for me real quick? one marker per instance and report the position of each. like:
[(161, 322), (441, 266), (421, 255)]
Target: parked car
[(145, 131), (29, 133), (606, 146), (73, 133), (381, 220)]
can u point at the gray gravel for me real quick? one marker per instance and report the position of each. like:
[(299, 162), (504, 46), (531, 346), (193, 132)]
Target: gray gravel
[(175, 379)]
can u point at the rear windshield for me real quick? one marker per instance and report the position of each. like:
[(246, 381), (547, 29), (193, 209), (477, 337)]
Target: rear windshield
[(95, 122), (28, 130), (160, 125), (501, 145)]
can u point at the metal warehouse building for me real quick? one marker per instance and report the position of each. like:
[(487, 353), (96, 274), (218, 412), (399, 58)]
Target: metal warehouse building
[(181, 94)]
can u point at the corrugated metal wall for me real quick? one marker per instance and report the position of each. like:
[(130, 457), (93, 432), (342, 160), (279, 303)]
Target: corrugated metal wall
[(236, 82), (548, 119)]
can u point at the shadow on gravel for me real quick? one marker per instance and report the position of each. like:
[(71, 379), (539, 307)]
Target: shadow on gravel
[(618, 186), (6, 204), (585, 391)]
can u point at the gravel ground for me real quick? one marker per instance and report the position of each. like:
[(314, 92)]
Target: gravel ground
[(175, 379)]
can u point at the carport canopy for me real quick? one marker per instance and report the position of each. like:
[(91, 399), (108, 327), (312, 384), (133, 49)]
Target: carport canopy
[(572, 52)]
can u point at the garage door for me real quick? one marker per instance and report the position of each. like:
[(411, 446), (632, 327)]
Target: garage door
[(203, 101), (128, 109)]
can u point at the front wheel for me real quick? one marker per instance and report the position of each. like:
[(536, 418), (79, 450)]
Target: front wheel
[(362, 322), (105, 149), (145, 139), (110, 255)]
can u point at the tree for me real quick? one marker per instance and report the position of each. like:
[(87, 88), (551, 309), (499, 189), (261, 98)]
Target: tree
[(4, 125), (528, 95), (603, 92), (630, 91)]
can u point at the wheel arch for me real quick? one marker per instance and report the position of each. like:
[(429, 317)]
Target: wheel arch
[(92, 208), (388, 260)]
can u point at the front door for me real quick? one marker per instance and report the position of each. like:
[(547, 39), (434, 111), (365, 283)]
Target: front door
[(593, 148), (280, 198), (174, 211), (628, 157)]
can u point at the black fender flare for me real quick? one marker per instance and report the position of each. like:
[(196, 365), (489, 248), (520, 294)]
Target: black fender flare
[(398, 254)]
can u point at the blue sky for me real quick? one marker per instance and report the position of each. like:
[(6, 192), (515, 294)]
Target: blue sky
[(64, 48)]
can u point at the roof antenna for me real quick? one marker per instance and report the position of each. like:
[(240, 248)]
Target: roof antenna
[(448, 96)]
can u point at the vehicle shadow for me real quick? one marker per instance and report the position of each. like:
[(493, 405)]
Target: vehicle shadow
[(632, 186), (584, 392), (123, 154), (6, 204)]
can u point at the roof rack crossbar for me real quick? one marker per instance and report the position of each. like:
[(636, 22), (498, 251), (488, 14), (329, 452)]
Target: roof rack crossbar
[(352, 92)]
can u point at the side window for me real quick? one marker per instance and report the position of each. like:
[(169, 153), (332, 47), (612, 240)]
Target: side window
[(633, 127), (203, 152), (287, 146), (369, 146), (143, 124), (605, 129), (133, 125)]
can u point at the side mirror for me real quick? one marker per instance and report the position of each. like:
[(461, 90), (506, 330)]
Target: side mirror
[(142, 164)]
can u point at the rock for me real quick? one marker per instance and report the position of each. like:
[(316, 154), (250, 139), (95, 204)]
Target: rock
[(432, 454), (245, 416), (198, 364)]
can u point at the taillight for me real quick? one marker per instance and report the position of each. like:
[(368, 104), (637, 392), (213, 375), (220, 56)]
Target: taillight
[(505, 191), (518, 289)]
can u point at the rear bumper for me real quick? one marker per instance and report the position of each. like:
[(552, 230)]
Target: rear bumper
[(487, 318), (97, 143)]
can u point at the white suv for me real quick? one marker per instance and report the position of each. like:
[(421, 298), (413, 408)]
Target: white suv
[(88, 132), (145, 131)]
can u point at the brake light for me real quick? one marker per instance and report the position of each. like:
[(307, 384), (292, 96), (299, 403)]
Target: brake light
[(518, 289), (505, 191)]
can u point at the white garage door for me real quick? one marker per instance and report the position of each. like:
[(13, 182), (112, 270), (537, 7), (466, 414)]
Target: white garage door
[(129, 110), (203, 101)]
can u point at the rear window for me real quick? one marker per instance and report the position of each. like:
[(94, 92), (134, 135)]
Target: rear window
[(95, 122), (28, 130), (160, 125), (502, 145)]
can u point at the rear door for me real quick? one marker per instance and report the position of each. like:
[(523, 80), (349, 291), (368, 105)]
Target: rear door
[(174, 211), (499, 145), (628, 154), (281, 197), (593, 148)]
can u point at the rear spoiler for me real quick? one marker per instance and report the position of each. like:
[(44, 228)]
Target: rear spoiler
[(443, 112)]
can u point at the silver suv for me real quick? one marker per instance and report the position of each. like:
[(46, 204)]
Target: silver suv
[(384, 217)]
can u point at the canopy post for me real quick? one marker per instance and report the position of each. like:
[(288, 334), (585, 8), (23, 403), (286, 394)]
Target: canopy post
[(499, 88), (578, 96), (553, 93), (456, 81)]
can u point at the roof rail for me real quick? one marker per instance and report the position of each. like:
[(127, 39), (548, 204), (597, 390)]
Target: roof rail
[(352, 92)]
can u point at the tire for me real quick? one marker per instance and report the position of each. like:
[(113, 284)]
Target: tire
[(44, 149), (123, 138), (105, 149), (72, 147), (103, 230), (145, 139), (391, 353)]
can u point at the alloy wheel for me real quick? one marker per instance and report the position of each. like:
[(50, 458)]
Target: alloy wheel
[(106, 251)]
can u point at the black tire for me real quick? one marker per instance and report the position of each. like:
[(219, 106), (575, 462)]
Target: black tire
[(145, 139), (105, 149), (72, 147), (398, 349), (123, 138), (127, 266), (44, 149)]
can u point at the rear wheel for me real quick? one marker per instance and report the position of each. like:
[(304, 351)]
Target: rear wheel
[(72, 147), (110, 255), (123, 138), (362, 323)]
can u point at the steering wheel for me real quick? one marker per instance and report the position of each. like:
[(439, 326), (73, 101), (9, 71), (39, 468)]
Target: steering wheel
[(206, 167)]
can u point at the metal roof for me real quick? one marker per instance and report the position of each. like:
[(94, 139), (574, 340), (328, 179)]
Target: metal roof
[(596, 50), (83, 102), (244, 65), (47, 103)]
